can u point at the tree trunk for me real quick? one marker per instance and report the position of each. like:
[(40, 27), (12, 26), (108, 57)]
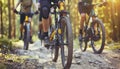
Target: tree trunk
[(13, 21), (9, 11), (1, 20), (114, 36), (118, 11)]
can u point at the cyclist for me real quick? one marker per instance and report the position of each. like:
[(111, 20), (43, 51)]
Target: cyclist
[(45, 19), (25, 8), (84, 7)]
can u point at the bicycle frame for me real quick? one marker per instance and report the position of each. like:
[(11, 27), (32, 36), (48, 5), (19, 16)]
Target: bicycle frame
[(57, 23), (92, 12), (62, 39)]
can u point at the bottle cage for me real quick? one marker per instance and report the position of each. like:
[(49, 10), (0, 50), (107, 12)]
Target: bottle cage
[(62, 6), (26, 19)]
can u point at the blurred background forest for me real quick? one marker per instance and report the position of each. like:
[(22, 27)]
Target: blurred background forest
[(109, 14)]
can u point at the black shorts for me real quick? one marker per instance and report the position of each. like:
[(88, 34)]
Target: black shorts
[(42, 16), (47, 4), (84, 9), (22, 17)]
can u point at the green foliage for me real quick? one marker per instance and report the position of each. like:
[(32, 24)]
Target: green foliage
[(2, 66), (5, 45), (109, 14)]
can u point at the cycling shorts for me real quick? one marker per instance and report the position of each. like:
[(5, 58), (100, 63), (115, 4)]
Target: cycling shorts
[(22, 17)]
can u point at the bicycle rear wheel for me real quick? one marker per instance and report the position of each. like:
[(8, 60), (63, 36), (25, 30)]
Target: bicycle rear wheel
[(67, 40), (26, 36), (83, 42), (98, 36)]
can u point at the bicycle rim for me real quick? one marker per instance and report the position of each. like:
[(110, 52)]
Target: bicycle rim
[(98, 39)]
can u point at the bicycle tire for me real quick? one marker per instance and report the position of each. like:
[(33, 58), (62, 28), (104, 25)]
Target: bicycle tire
[(84, 41), (83, 47), (94, 47), (55, 54), (65, 22), (26, 37)]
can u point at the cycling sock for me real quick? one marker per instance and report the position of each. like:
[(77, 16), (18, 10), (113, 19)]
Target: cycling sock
[(20, 34), (45, 34)]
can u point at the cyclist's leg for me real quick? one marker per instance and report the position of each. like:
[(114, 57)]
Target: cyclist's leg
[(45, 9), (82, 12), (83, 17), (22, 18), (40, 35), (45, 23), (96, 30)]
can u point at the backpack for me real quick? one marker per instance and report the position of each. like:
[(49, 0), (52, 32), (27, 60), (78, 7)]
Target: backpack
[(26, 6), (26, 3)]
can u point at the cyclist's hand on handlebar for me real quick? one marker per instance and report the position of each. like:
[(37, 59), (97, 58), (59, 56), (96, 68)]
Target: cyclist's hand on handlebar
[(15, 11)]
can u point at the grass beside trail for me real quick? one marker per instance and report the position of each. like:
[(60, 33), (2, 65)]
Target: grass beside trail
[(110, 46)]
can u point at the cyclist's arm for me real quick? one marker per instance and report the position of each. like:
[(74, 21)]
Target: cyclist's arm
[(17, 4)]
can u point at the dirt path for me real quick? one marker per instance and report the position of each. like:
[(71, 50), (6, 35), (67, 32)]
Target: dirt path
[(38, 57)]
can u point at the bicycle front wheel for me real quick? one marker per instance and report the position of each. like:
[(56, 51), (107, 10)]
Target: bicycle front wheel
[(98, 36), (26, 37), (67, 39)]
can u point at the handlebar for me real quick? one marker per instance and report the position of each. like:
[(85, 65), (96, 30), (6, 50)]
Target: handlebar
[(31, 13), (55, 5), (59, 12)]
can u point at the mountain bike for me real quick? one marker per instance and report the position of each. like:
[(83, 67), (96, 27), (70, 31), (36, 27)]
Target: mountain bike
[(26, 31), (60, 37), (94, 32)]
